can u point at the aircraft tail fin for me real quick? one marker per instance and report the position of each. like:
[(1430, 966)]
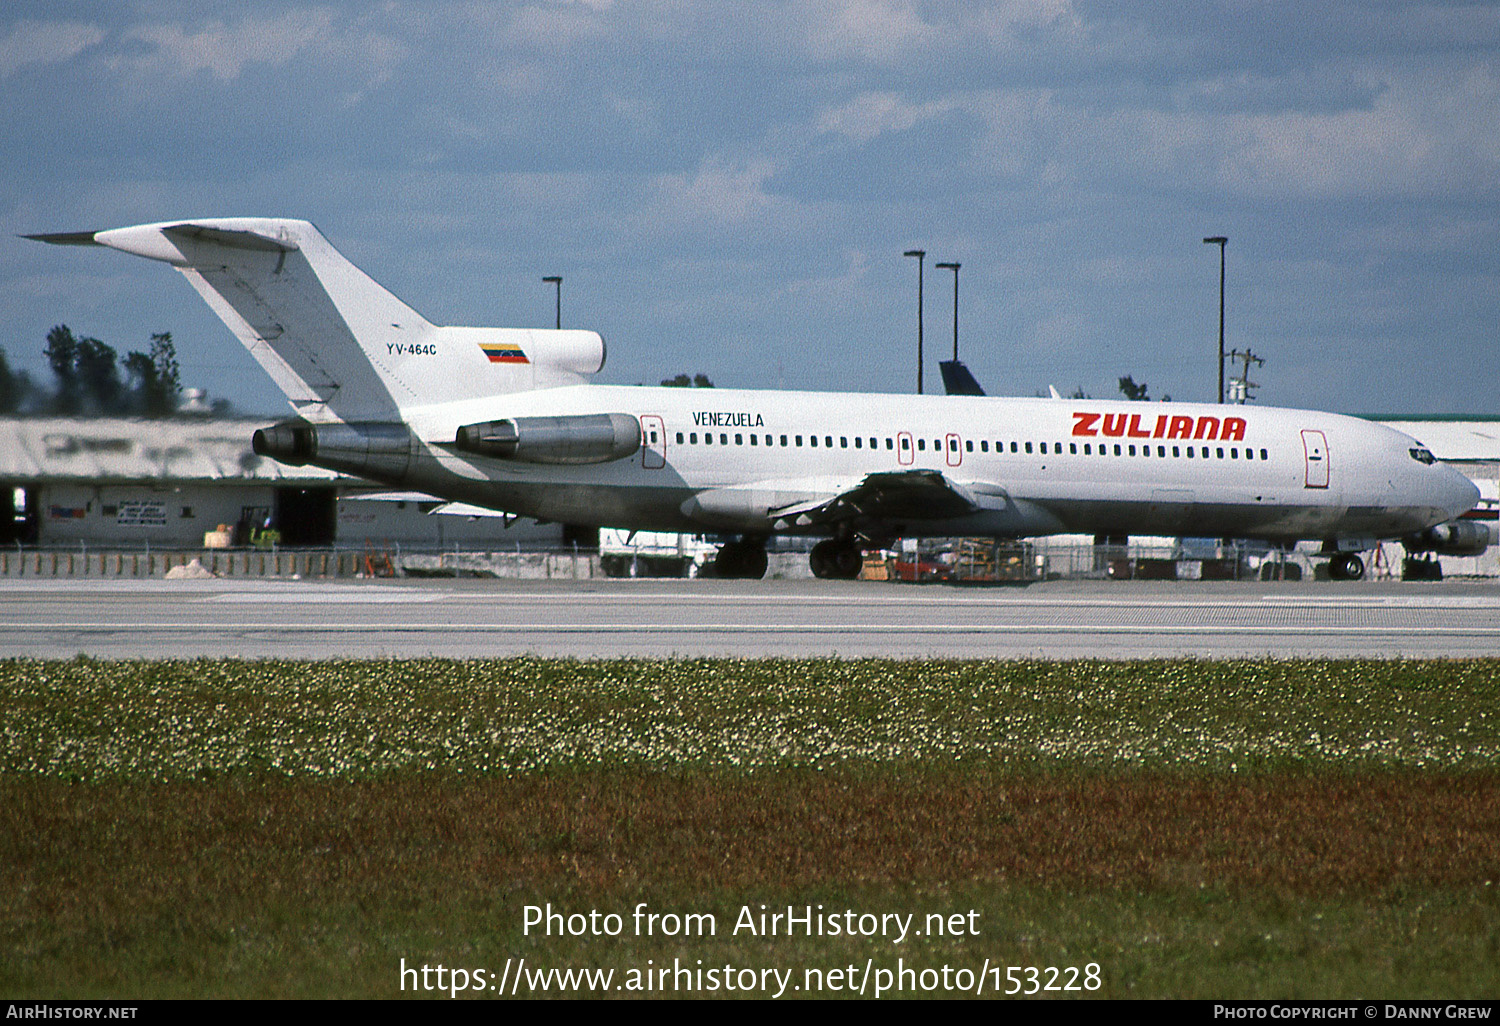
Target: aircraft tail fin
[(958, 379), (334, 340)]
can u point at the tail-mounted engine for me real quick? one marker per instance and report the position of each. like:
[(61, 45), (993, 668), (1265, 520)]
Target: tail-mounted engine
[(586, 438), (381, 451)]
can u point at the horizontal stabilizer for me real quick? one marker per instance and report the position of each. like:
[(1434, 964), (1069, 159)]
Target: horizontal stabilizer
[(66, 239), (230, 238)]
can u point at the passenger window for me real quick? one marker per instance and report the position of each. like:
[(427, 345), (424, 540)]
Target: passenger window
[(752, 439), (1234, 454), (708, 438), (875, 443), (1176, 451), (828, 440), (843, 442), (1028, 447), (1221, 454), (799, 441), (858, 442), (921, 445), (812, 440), (1073, 448), (1161, 450), (1263, 455), (679, 438), (1012, 446), (1190, 452), (1132, 450), (968, 446), (739, 439), (905, 444), (1088, 449), (984, 446), (783, 441), (1117, 449)]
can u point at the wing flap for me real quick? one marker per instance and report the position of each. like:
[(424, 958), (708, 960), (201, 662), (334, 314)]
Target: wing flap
[(889, 495)]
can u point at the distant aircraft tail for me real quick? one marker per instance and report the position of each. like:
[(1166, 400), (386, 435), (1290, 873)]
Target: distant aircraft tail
[(958, 379), (338, 344)]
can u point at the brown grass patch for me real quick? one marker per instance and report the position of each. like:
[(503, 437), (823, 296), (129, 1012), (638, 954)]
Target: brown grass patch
[(69, 845)]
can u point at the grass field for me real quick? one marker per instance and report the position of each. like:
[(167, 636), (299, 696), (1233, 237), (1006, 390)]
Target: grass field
[(1238, 829)]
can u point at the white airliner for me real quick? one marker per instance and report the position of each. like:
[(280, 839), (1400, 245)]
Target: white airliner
[(506, 419)]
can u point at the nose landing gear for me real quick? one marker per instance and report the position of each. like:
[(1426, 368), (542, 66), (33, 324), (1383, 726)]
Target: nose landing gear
[(1346, 566)]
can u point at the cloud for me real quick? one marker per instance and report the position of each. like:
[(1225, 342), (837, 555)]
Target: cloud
[(226, 48), (876, 30), (717, 193), (1425, 135), (38, 42), (870, 115)]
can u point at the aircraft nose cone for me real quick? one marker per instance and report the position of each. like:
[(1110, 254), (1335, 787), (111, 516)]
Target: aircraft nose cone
[(1460, 493)]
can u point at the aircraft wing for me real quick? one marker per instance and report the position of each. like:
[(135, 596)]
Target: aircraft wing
[(889, 495)]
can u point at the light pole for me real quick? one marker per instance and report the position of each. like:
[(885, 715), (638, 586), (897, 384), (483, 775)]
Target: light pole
[(1220, 240), (919, 254), (553, 279), (954, 268)]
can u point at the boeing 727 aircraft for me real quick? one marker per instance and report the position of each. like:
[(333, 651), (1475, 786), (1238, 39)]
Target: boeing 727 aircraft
[(506, 419)]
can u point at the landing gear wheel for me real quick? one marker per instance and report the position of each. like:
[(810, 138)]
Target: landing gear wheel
[(1346, 566), (836, 560), (744, 559)]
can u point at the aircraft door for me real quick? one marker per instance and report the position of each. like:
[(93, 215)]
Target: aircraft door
[(955, 448), (906, 453), (653, 442), (1315, 446)]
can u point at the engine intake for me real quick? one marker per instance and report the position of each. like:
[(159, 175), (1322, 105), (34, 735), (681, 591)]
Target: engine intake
[(586, 438)]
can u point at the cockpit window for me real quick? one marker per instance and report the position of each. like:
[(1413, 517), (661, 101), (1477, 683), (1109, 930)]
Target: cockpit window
[(1422, 456)]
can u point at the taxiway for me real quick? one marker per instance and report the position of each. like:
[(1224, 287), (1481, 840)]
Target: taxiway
[(604, 619)]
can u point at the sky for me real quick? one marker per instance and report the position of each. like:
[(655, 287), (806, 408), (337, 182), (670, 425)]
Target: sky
[(728, 188)]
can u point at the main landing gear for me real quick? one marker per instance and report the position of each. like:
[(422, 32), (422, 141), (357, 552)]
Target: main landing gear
[(744, 559), (836, 559), (1346, 566)]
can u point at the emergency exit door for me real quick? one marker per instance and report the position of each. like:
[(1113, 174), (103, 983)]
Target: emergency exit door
[(1315, 449)]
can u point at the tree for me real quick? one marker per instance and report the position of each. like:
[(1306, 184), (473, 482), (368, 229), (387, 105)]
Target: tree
[(99, 374), (683, 381), (15, 386), (62, 356), (154, 377), (1132, 391)]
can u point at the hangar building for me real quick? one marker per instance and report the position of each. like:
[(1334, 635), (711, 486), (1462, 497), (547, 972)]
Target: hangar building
[(127, 484)]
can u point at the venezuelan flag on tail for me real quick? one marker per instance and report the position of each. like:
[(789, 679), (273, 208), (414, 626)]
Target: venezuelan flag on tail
[(503, 352)]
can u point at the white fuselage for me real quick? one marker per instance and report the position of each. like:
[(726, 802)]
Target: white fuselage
[(727, 459)]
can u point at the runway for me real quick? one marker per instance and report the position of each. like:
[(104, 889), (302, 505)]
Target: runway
[(656, 618)]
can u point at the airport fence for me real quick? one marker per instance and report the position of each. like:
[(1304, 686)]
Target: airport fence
[(934, 560), (371, 562)]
